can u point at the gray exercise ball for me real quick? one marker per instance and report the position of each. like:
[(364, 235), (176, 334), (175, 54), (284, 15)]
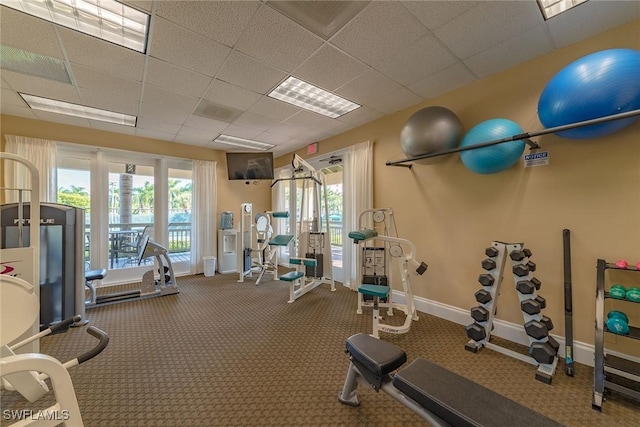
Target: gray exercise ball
[(430, 130)]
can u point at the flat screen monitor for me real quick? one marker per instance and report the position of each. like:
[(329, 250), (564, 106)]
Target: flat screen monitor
[(250, 166)]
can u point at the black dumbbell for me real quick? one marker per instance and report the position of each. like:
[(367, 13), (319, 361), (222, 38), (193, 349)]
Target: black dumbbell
[(555, 345), (536, 282), (520, 270), (483, 296), (486, 280), (531, 265), (491, 252), (527, 252), (488, 264), (541, 301), (547, 322), (517, 255), (542, 352), (530, 306), (525, 287), (536, 329), (476, 332), (480, 314)]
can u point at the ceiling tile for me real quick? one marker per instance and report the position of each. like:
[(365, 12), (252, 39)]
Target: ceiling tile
[(154, 94), (223, 93), (184, 48), (312, 120), (255, 121), (147, 133), (157, 125), (277, 41), (204, 123), (61, 118), (175, 79), (14, 110), (109, 102), (488, 24), (378, 32), (102, 55), (10, 97), (443, 81), (369, 85), (360, 116), (272, 138), (186, 140), (514, 51), (32, 85), (241, 131), (189, 132), (222, 21), (434, 14), (568, 28), (287, 130), (413, 62), (160, 112), (19, 30), (98, 81), (249, 73), (395, 101), (273, 108), (329, 68)]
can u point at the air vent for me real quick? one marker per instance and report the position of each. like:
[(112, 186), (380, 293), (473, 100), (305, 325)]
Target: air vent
[(209, 110), (324, 18), (25, 62)]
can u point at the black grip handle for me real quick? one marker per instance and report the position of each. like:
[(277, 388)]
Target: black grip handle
[(104, 340), (65, 323)]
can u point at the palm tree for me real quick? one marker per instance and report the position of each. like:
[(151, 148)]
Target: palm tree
[(143, 197)]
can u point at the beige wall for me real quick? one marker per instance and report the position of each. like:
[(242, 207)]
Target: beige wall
[(230, 193), (590, 187)]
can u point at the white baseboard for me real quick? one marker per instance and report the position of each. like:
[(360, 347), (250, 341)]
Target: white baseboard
[(583, 353)]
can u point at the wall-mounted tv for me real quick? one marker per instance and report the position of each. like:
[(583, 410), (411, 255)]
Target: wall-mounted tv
[(250, 166)]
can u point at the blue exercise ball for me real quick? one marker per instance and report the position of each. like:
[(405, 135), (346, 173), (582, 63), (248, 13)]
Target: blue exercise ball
[(596, 85), (495, 158)]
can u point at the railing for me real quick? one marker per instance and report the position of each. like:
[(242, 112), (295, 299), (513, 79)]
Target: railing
[(335, 233), (179, 237)]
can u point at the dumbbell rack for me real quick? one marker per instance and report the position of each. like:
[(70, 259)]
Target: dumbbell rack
[(543, 348)]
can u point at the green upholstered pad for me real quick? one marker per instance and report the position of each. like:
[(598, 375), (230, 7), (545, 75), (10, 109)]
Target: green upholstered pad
[(361, 235), (280, 240), (310, 262), (280, 214), (296, 261), (291, 276), (374, 290)]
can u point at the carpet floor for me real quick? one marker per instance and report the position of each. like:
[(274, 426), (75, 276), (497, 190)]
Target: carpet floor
[(222, 353)]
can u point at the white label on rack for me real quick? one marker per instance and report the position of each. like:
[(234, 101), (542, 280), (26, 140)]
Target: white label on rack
[(536, 159)]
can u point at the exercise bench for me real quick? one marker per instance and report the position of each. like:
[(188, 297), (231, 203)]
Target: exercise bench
[(437, 395)]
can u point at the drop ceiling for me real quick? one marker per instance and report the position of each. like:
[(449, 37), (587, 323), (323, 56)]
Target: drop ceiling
[(209, 65)]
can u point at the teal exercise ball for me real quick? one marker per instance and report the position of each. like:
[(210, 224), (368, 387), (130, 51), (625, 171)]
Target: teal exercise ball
[(597, 85), (430, 130), (495, 158)]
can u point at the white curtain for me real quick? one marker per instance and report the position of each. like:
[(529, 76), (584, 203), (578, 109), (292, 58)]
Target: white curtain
[(279, 203), (203, 220), (40, 152), (358, 196)]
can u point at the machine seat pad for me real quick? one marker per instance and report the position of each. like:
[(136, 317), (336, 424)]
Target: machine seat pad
[(461, 402), (374, 290), (99, 274), (361, 235), (292, 276), (379, 357), (280, 240)]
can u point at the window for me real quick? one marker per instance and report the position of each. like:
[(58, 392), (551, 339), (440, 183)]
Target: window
[(74, 189)]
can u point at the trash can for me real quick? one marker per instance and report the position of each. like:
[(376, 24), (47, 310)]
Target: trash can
[(209, 265)]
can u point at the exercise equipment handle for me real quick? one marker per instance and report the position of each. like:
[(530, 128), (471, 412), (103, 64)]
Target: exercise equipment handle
[(64, 324), (104, 340)]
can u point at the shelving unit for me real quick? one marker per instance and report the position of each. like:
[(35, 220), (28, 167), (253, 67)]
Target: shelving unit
[(612, 372)]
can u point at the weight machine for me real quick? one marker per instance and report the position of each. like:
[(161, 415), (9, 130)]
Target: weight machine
[(151, 287), (313, 258), (402, 250)]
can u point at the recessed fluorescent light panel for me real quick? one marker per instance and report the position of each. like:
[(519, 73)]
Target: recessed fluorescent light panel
[(25, 62), (61, 107), (106, 19), (244, 143), (307, 96), (551, 8)]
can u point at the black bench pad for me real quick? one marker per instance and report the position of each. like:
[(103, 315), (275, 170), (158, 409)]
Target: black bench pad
[(377, 356), (461, 402)]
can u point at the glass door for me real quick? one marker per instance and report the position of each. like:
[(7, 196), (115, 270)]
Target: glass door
[(179, 187)]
